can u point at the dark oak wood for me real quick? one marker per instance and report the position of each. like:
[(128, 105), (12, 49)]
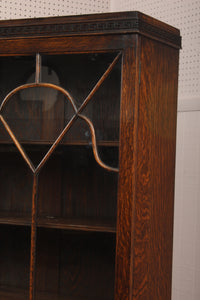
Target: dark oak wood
[(153, 221), (64, 45), (87, 271), (15, 185), (70, 229), (14, 257), (13, 294), (16, 294), (127, 173), (15, 219), (79, 224), (33, 237), (101, 225), (109, 23), (10, 147)]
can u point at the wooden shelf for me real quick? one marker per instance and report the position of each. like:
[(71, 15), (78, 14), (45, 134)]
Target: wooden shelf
[(13, 294), (19, 294), (65, 143), (60, 223), (48, 296), (77, 224), (14, 219)]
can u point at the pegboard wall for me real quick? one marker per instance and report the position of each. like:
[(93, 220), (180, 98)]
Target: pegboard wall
[(185, 15), (17, 9)]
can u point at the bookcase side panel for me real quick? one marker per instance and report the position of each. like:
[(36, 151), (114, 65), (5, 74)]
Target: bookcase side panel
[(154, 201), (127, 163)]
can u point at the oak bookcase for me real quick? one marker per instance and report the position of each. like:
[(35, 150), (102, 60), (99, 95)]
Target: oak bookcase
[(87, 157)]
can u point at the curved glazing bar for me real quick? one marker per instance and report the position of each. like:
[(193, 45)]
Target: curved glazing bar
[(94, 145), (77, 114), (39, 84)]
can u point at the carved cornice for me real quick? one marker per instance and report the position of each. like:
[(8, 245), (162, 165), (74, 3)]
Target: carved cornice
[(65, 27)]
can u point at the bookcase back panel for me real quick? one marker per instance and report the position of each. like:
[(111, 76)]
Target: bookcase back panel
[(16, 188), (14, 71), (74, 187), (73, 265), (14, 258)]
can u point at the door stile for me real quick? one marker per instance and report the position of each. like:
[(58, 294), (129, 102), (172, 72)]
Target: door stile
[(127, 171)]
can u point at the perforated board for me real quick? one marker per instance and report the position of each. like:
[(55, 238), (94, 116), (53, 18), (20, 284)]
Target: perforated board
[(17, 9)]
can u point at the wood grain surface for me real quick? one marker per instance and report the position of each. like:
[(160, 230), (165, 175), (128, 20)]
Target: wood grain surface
[(153, 221)]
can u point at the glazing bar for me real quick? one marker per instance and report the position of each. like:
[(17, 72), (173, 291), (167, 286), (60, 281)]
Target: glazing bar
[(33, 238), (38, 68), (94, 146)]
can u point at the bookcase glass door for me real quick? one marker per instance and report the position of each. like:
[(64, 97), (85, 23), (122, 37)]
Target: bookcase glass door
[(59, 141)]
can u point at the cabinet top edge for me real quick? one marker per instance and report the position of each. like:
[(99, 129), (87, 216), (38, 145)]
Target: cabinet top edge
[(91, 24)]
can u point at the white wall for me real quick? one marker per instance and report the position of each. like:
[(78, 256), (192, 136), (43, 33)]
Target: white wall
[(185, 15), (186, 268)]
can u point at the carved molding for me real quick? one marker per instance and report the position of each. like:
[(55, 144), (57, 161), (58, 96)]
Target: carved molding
[(98, 27)]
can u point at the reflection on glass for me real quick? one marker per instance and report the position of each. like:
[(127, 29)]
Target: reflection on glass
[(48, 76), (36, 113)]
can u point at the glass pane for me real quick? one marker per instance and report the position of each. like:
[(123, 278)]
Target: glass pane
[(104, 107), (77, 203), (14, 71), (75, 191), (103, 110), (78, 73), (15, 222), (77, 198), (14, 262), (15, 194), (75, 265), (36, 115), (15, 187)]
